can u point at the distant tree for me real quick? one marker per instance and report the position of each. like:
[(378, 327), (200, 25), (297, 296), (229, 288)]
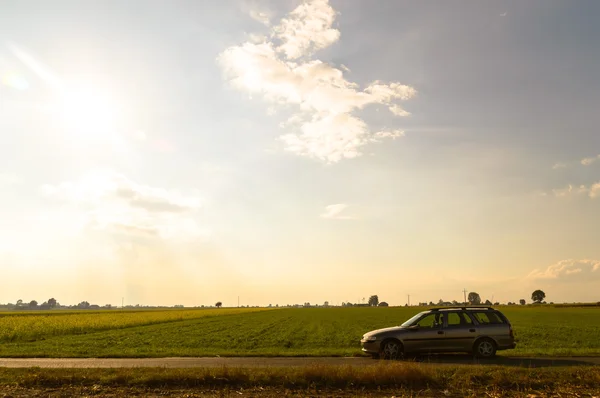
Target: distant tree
[(19, 303), (440, 302), (384, 304), (52, 303), (538, 296), (326, 304), (219, 304), (454, 302), (496, 303), (431, 304), (522, 301), (487, 302), (373, 300), (84, 305), (33, 304), (474, 298)]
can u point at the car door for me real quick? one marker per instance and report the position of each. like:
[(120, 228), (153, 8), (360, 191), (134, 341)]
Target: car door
[(459, 332), (428, 334)]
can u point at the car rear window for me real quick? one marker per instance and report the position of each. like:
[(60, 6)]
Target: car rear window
[(458, 319), (487, 318)]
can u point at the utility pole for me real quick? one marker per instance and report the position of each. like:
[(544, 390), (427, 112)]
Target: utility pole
[(238, 301), (465, 293), (408, 299), (122, 302)]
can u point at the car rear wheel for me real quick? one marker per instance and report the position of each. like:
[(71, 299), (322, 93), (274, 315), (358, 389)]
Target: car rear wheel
[(391, 349), (485, 348)]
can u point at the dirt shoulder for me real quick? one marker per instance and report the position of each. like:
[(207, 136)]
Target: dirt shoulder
[(212, 362)]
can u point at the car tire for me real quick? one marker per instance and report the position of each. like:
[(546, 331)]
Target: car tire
[(484, 348), (392, 350), (375, 356)]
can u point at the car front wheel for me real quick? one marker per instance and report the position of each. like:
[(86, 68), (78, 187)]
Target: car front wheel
[(391, 349), (485, 348)]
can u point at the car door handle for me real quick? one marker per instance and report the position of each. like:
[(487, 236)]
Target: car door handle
[(472, 330), (440, 332)]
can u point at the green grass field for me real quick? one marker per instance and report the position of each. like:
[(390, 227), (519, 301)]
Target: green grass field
[(540, 330)]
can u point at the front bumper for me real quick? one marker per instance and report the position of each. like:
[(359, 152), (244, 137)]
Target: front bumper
[(370, 347)]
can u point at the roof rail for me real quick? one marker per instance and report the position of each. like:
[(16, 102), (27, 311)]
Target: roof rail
[(464, 308)]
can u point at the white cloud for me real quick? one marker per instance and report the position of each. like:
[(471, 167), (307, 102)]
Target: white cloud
[(592, 191), (306, 29), (585, 162), (570, 190), (281, 70), (589, 161), (595, 190), (261, 16), (398, 110), (335, 211), (388, 134), (113, 203), (503, 14), (568, 269)]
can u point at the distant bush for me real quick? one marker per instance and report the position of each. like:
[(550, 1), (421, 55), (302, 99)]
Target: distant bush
[(383, 304)]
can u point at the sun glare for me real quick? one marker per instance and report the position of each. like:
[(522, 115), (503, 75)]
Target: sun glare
[(88, 109)]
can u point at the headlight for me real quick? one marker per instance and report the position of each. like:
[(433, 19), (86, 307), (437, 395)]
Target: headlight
[(370, 338)]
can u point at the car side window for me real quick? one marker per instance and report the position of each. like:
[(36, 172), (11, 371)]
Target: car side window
[(458, 319), (454, 319), (487, 318), (467, 318), (431, 321)]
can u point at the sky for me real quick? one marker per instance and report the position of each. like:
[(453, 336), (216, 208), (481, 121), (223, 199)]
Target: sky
[(188, 152)]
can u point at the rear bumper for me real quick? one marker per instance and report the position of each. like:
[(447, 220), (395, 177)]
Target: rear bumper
[(507, 346)]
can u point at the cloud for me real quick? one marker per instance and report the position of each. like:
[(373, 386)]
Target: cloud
[(261, 16), (112, 203), (570, 190), (595, 190), (589, 161), (281, 69), (585, 162), (334, 212), (568, 269), (307, 29), (592, 191), (503, 14), (387, 134)]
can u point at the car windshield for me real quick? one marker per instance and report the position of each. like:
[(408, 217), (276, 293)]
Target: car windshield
[(413, 320)]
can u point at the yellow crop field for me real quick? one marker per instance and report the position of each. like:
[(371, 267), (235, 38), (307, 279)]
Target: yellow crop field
[(29, 326)]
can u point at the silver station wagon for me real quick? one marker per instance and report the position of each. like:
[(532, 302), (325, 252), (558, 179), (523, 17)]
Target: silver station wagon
[(476, 330)]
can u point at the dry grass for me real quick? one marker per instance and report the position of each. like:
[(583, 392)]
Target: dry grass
[(409, 378)]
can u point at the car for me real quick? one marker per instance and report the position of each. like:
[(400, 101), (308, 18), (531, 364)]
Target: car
[(475, 330)]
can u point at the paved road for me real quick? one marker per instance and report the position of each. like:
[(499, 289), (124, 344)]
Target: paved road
[(280, 362)]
